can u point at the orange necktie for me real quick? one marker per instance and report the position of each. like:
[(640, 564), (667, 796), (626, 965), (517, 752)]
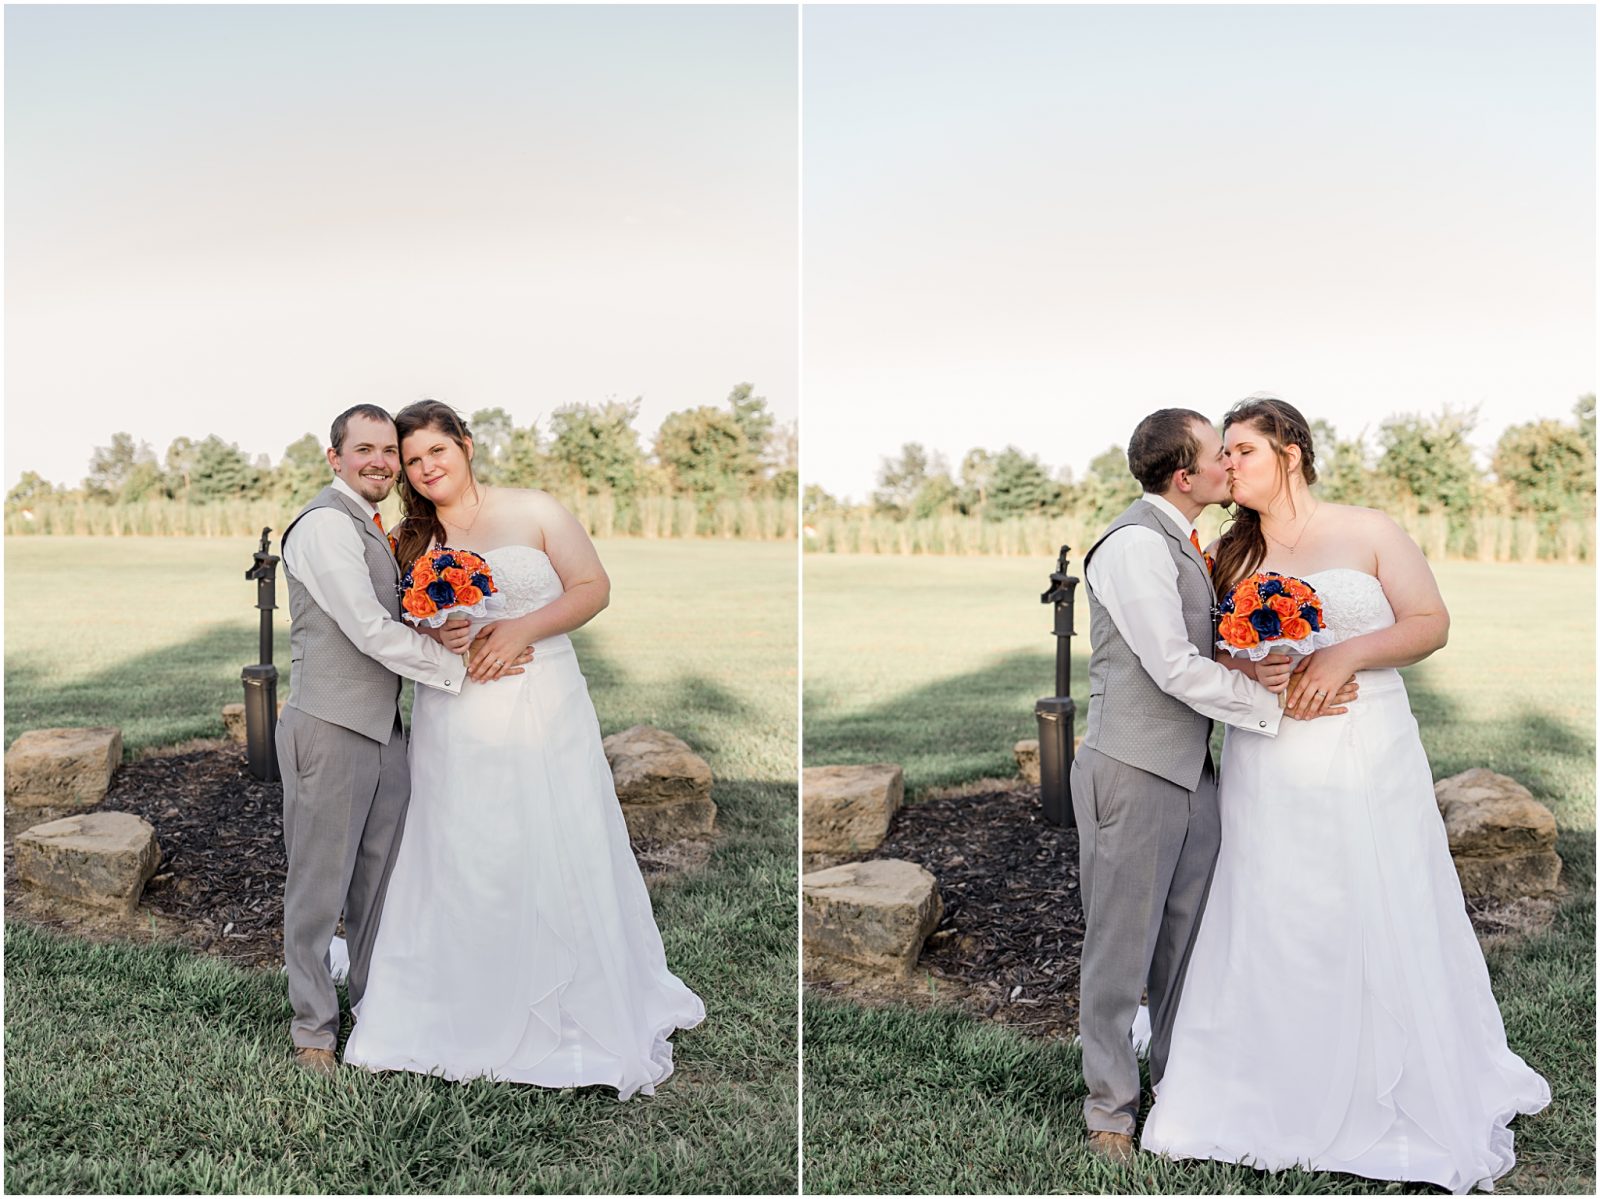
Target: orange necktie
[(1194, 540), (377, 519)]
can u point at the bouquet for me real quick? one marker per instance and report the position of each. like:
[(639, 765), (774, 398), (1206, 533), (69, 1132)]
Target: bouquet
[(1269, 613), (445, 582)]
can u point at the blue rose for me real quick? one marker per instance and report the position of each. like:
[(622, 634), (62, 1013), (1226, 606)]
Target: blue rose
[(1264, 620), (1311, 617), (441, 593), (444, 561), (482, 583), (1273, 586)]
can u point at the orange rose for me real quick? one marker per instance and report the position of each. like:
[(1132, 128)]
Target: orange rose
[(470, 562), (1284, 606), (1298, 589), (1236, 630), (1245, 601), (1295, 628), (418, 604), (422, 573), (467, 595), (459, 578)]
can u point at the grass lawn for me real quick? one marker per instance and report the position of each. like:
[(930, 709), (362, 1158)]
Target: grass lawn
[(140, 1069), (935, 663)]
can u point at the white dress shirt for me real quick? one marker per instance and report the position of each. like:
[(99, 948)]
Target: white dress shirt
[(327, 558), (1134, 577)]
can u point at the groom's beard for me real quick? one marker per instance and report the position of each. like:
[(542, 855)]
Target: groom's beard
[(374, 490)]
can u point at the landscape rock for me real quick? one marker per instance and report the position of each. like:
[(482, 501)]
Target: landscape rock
[(847, 809), (65, 769), (873, 915), (1502, 839), (233, 721), (664, 786), (1027, 754), (102, 859)]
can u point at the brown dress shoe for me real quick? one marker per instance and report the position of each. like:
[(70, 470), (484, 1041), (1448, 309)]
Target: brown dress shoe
[(317, 1061), (1115, 1147)]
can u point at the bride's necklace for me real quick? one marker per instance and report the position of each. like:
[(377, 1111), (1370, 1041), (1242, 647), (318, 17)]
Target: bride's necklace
[(1303, 529), (483, 498)]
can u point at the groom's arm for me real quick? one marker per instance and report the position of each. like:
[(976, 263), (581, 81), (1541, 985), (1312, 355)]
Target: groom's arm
[(1133, 576), (325, 555)]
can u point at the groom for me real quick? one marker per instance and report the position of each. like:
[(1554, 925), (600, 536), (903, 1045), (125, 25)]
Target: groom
[(1144, 787), (341, 748)]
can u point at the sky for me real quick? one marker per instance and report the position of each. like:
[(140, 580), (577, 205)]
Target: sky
[(242, 220), (1033, 226)]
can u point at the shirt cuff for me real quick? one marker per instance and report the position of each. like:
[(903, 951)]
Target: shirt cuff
[(453, 675)]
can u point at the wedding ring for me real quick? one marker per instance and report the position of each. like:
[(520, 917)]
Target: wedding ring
[(502, 662)]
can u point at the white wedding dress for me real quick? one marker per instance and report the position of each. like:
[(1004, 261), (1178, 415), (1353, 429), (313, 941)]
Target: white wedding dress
[(1336, 1013), (517, 940)]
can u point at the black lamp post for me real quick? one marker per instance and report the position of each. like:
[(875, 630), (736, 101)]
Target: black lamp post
[(1055, 714), (261, 680)]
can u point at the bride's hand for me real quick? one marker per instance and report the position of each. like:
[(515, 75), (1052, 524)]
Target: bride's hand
[(498, 650), (1273, 671), (1323, 684), (456, 634)]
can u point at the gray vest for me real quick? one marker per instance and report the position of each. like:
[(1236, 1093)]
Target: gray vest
[(1130, 718), (330, 678)]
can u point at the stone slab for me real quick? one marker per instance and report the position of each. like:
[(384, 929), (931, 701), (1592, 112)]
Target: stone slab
[(847, 809), (873, 915), (102, 859), (663, 785), (64, 769), (1502, 839)]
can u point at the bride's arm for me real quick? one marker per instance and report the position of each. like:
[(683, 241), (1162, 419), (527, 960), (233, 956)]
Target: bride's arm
[(1421, 621), (585, 585)]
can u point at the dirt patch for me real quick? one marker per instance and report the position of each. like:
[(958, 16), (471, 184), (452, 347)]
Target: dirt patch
[(219, 887)]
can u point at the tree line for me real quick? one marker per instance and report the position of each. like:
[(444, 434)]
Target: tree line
[(1542, 471), (708, 455)]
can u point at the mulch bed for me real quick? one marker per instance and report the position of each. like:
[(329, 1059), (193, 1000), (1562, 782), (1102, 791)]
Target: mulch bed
[(222, 857), (1012, 929), (1011, 935)]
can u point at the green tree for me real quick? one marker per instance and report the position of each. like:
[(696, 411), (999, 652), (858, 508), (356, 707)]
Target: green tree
[(818, 502), (1345, 472), (976, 470), (705, 451), (1107, 487), (900, 478), (757, 425), (937, 495), (113, 467), (1429, 460), (222, 471), (525, 464), (1583, 411), (1019, 485), (30, 489), (302, 473), (180, 466), (599, 444), (492, 431), (1548, 468)]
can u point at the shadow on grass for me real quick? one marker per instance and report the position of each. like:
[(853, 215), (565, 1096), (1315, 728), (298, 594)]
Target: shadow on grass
[(948, 731)]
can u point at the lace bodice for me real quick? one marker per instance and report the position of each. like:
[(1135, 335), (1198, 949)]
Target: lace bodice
[(1353, 602), (525, 577)]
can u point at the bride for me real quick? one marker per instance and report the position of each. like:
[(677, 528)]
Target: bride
[(517, 939), (1336, 1013)]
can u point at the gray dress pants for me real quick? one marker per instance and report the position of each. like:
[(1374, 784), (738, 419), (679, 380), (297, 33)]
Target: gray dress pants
[(1146, 851), (344, 810)]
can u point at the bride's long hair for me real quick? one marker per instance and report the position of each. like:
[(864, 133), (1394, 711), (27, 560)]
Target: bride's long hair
[(1243, 546), (422, 526)]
